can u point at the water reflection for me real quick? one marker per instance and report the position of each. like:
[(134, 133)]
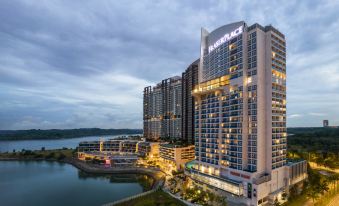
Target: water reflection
[(33, 183), (144, 180)]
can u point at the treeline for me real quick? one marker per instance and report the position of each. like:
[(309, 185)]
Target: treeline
[(57, 154), (314, 131), (314, 139), (62, 133)]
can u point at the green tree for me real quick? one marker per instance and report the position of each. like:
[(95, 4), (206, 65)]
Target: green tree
[(61, 156), (329, 162), (276, 202), (323, 187), (313, 193), (319, 160), (50, 155), (293, 191)]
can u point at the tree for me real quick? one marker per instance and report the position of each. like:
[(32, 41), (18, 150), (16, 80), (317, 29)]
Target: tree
[(50, 155), (329, 162), (276, 202), (313, 193), (323, 187), (61, 156), (293, 191), (221, 200), (335, 178), (319, 160)]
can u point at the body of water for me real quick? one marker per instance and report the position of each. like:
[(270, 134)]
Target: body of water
[(10, 145), (33, 183)]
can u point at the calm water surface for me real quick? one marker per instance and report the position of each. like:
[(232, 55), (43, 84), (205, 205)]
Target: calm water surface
[(9, 145), (35, 183)]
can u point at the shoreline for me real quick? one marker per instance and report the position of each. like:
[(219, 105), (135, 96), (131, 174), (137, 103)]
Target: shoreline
[(157, 175), (65, 138)]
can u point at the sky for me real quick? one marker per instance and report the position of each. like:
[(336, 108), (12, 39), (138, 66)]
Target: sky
[(79, 64)]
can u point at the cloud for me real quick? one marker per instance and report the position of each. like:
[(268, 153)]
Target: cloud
[(293, 116), (317, 114), (66, 64)]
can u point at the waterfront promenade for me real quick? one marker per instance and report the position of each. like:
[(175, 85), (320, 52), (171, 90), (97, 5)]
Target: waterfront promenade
[(155, 173)]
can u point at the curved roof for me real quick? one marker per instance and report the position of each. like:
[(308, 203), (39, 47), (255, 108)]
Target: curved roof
[(221, 31)]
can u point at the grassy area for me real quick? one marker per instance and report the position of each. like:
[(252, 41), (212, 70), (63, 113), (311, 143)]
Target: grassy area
[(57, 154), (300, 200), (158, 198)]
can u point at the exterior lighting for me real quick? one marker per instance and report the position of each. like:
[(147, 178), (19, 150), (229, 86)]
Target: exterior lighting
[(226, 38)]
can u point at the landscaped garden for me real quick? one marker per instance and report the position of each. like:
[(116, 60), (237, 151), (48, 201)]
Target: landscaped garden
[(159, 198)]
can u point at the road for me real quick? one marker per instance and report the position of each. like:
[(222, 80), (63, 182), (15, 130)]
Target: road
[(315, 166), (334, 201)]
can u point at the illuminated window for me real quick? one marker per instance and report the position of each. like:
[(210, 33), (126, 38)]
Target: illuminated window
[(249, 80)]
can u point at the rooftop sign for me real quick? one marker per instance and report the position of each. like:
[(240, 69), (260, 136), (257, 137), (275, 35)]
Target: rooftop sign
[(226, 38)]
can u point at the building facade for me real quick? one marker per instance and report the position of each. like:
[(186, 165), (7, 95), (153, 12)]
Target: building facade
[(189, 81), (150, 149), (325, 123), (118, 146), (178, 155), (240, 112), (162, 109)]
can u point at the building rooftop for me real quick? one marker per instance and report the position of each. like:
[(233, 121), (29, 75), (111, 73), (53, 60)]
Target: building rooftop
[(294, 161), (175, 145)]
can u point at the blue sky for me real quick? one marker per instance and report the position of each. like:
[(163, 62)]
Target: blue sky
[(75, 64)]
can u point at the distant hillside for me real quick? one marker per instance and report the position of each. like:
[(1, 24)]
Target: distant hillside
[(314, 139), (62, 133)]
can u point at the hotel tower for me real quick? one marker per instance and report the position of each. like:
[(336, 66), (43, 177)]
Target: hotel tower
[(162, 109), (240, 114)]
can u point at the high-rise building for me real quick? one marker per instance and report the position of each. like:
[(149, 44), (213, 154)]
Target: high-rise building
[(325, 123), (162, 109), (189, 81), (240, 113), (152, 112)]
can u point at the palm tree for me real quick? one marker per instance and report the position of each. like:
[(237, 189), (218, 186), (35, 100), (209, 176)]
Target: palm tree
[(313, 194), (333, 179), (336, 176), (323, 187)]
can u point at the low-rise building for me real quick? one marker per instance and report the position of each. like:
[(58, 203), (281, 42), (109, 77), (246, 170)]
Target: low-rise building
[(109, 158), (129, 146), (150, 149), (89, 146), (141, 148), (297, 171), (111, 146), (294, 172), (177, 154)]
